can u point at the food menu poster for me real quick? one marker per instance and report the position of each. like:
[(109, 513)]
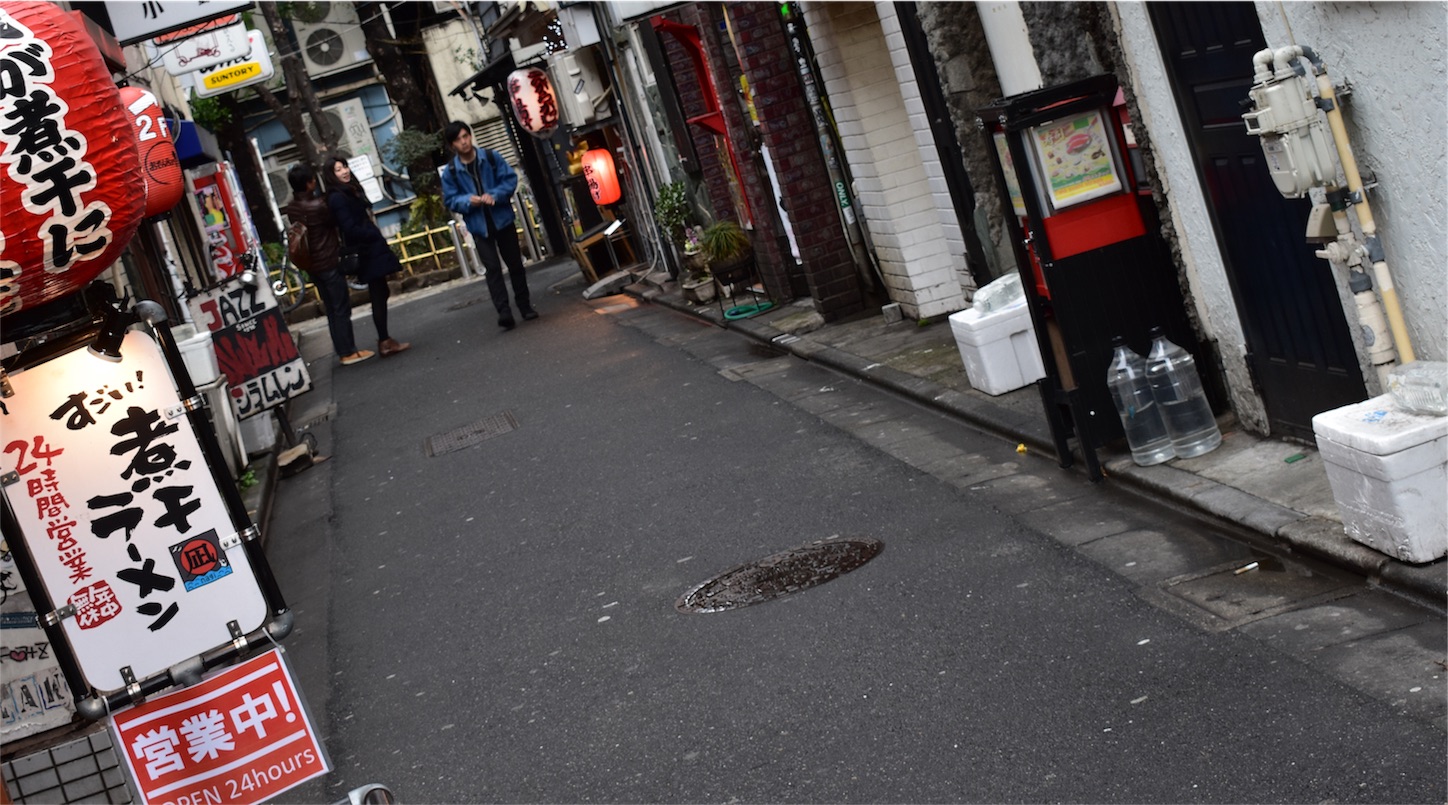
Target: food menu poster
[(1076, 159)]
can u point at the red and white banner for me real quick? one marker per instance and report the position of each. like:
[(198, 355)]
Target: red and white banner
[(241, 736)]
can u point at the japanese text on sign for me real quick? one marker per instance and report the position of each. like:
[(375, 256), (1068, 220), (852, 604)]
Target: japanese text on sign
[(121, 514), (46, 157), (240, 736)]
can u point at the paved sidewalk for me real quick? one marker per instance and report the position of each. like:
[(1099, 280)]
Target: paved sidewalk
[(1248, 482)]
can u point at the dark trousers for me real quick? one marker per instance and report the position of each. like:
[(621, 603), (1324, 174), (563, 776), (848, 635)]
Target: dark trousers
[(504, 245), (378, 291), (337, 304)]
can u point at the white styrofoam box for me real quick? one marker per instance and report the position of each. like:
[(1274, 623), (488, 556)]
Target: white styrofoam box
[(196, 350), (258, 432), (1388, 469), (998, 348)]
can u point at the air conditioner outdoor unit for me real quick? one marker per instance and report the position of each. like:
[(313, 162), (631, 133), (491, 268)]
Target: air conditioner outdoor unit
[(354, 132), (333, 43), (580, 90)]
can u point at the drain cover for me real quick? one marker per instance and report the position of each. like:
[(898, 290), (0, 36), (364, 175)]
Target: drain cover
[(469, 435), (779, 574)]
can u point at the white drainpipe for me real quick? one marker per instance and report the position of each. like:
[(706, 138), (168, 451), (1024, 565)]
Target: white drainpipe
[(1010, 46)]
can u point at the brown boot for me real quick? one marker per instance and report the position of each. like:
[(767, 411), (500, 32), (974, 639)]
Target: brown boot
[(388, 347)]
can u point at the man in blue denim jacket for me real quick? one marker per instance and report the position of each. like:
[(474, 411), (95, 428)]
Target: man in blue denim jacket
[(479, 184)]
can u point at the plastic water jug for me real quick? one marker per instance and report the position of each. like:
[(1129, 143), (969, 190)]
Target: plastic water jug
[(1177, 389), (1140, 415)]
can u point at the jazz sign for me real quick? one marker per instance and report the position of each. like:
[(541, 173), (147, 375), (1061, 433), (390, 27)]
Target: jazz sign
[(121, 516)]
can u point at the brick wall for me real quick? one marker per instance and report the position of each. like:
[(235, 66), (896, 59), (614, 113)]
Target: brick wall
[(887, 143), (786, 128)]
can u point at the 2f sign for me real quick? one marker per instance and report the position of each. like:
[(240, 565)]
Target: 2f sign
[(241, 736)]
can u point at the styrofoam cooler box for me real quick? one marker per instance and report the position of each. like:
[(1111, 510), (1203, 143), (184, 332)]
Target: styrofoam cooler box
[(198, 354), (998, 348), (1388, 469)]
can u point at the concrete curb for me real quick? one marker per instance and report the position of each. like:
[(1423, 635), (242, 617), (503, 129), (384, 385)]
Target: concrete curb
[(1271, 524)]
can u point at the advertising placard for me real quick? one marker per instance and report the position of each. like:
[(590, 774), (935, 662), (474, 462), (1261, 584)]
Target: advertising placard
[(220, 224), (1076, 159), (254, 348), (133, 21), (120, 514), (204, 48), (241, 736), (233, 74)]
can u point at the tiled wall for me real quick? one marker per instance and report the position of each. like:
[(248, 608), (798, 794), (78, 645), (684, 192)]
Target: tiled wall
[(83, 770)]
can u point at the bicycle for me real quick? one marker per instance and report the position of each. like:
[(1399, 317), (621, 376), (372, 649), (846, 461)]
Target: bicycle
[(289, 285)]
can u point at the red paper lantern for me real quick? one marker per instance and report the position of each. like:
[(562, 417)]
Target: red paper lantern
[(602, 177), (534, 102), (160, 167), (70, 176)]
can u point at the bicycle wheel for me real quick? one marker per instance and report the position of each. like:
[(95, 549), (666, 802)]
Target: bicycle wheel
[(289, 286)]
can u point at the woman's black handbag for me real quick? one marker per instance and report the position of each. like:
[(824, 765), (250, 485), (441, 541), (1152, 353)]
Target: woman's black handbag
[(349, 264)]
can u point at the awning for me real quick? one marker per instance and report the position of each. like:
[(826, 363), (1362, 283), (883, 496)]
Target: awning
[(195, 145), (494, 74)]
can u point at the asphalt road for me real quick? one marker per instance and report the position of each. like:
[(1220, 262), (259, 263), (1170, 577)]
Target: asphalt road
[(497, 623)]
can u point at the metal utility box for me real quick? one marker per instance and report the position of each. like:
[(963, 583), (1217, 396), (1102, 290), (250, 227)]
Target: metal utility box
[(1087, 246)]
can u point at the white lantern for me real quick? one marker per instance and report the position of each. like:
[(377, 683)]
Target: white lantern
[(534, 102)]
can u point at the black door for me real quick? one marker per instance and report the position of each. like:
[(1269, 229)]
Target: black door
[(1299, 348)]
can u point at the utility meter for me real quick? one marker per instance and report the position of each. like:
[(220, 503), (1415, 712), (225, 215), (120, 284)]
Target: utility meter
[(1294, 136)]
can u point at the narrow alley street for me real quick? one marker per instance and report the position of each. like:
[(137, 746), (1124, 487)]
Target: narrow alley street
[(497, 623)]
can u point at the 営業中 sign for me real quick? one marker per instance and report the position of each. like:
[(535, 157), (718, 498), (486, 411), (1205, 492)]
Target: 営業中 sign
[(240, 736)]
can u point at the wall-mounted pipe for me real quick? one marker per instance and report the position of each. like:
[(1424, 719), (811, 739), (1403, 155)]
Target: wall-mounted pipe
[(1384, 278)]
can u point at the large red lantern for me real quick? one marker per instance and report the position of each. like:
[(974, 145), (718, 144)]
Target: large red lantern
[(534, 102), (602, 178), (160, 167), (70, 175)]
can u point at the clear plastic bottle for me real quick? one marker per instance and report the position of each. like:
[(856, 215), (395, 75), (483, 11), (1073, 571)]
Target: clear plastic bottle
[(1140, 415), (1177, 389)]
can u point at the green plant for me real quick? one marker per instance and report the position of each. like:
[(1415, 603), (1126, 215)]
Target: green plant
[(723, 241), (426, 212), (209, 113), (673, 212), (247, 479), (274, 254)]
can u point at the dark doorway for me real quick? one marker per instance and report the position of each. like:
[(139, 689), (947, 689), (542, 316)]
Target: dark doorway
[(1299, 349)]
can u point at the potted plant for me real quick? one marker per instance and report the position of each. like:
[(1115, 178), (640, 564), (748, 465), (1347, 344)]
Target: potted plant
[(728, 251), (675, 216)]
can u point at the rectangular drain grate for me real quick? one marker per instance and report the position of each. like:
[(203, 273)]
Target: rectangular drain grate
[(469, 435)]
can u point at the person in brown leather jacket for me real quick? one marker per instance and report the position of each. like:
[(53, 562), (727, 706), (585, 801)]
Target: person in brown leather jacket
[(325, 247)]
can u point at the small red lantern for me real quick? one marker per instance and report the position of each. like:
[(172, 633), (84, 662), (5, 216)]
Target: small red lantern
[(160, 166), (70, 175), (534, 102), (602, 178)]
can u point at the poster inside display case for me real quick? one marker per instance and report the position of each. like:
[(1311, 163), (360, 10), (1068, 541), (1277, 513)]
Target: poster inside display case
[(1076, 159)]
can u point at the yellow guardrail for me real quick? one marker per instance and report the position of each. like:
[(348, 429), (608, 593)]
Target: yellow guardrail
[(424, 245)]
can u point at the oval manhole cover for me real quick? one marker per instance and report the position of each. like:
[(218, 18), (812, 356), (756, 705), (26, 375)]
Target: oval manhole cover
[(779, 574)]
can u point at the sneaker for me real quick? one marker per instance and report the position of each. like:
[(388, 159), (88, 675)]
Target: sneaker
[(529, 314), (357, 357), (507, 323)]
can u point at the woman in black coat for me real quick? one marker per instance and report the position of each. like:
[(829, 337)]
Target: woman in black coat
[(375, 261)]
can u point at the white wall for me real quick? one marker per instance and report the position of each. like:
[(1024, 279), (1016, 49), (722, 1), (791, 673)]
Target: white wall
[(1395, 56), (872, 91), (454, 53)]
